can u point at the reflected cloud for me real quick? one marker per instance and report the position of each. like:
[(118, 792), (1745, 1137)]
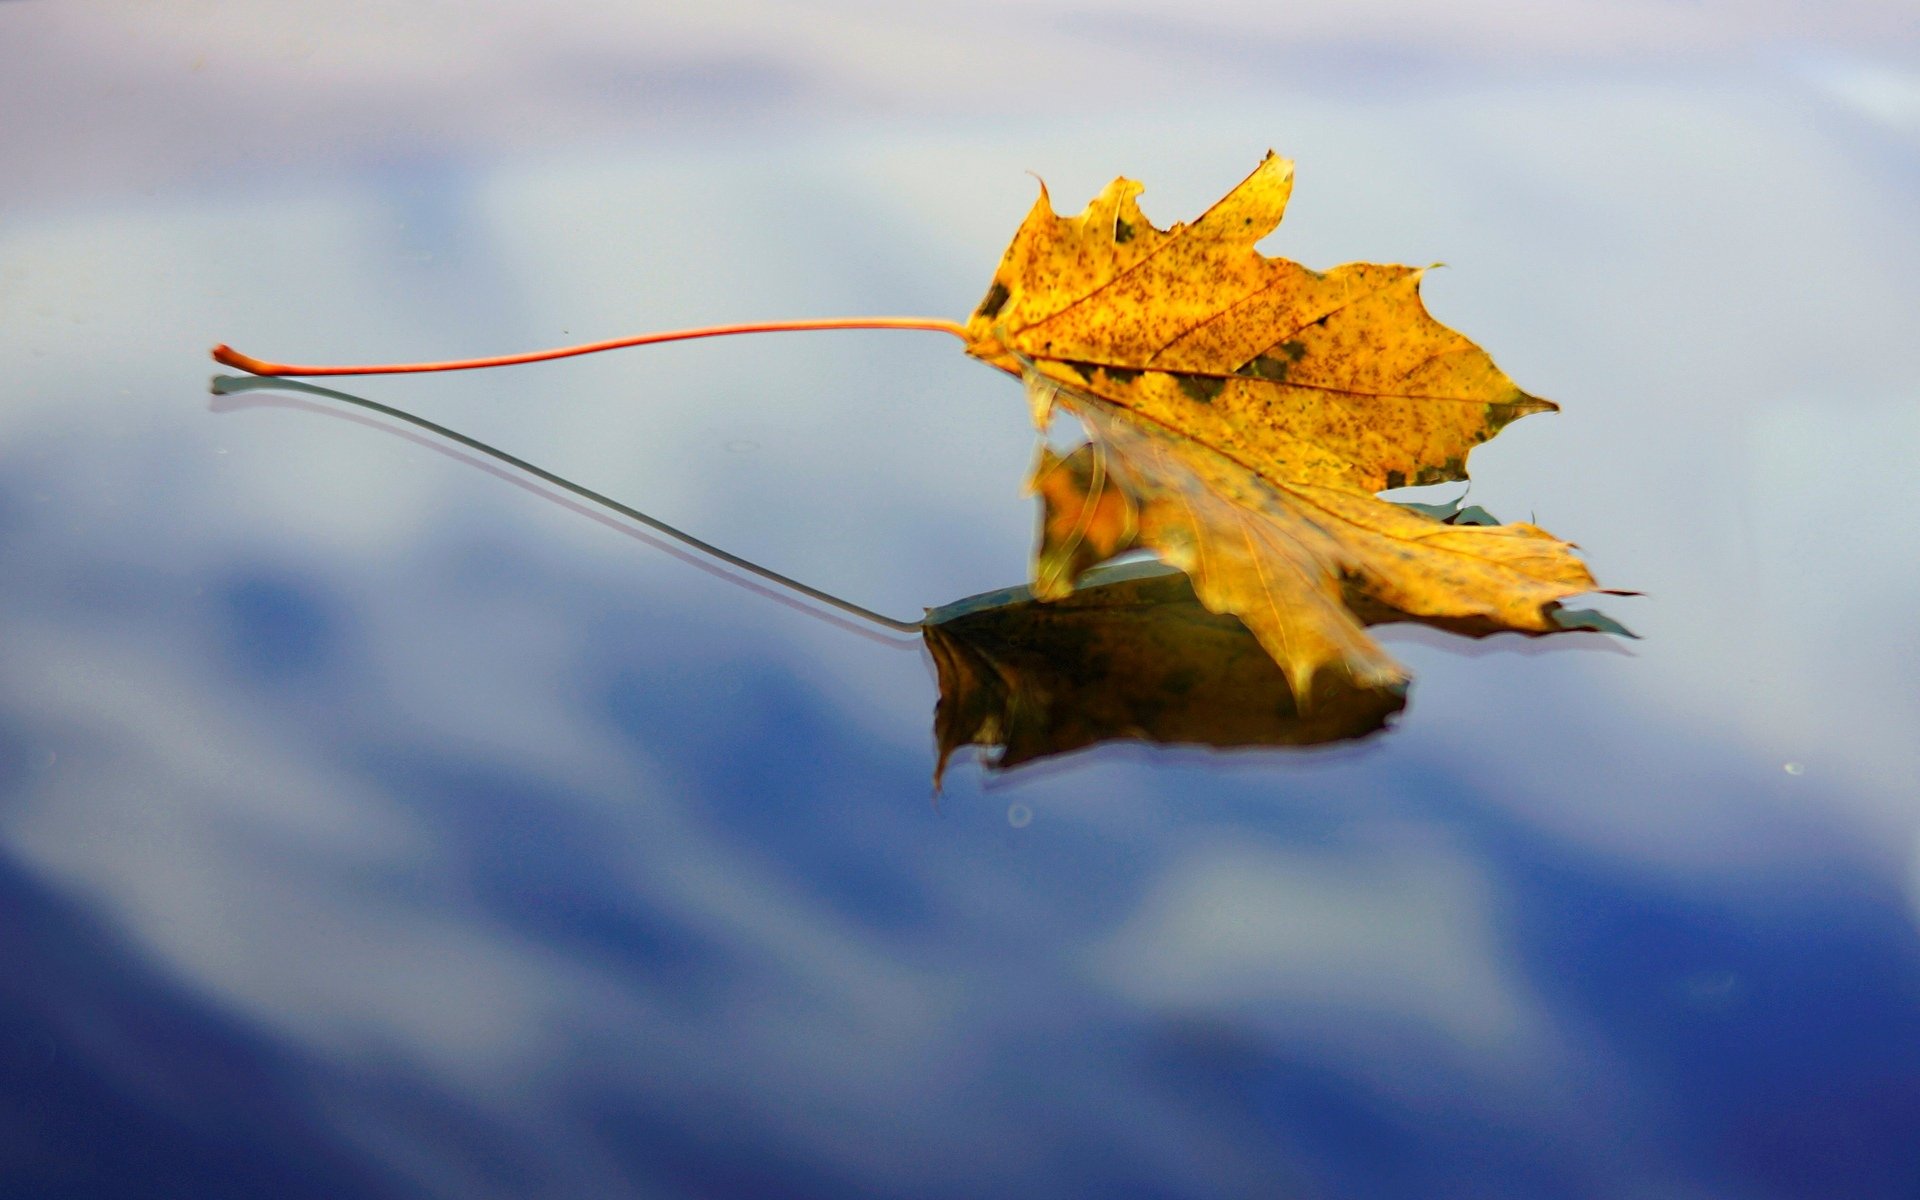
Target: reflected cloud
[(1239, 932), (1886, 94)]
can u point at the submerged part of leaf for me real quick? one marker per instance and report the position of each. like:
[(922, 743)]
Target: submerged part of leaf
[(1292, 562), (1083, 520), (1454, 512), (1131, 654), (1591, 619), (1338, 378)]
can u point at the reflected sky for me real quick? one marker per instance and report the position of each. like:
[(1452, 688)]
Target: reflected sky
[(371, 827)]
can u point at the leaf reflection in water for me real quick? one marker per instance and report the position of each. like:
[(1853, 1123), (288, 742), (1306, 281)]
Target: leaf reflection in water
[(1129, 654)]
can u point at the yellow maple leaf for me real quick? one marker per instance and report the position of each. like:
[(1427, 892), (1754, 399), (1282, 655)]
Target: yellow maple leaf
[(1244, 409)]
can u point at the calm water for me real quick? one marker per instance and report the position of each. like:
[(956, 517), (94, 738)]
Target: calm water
[(373, 823)]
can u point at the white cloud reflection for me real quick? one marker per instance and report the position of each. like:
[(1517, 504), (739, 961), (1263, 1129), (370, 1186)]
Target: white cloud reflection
[(230, 91), (1394, 933)]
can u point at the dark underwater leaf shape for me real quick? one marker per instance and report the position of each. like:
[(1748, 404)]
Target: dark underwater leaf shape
[(1130, 654)]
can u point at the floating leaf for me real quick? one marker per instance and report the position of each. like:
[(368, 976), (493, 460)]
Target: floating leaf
[(1337, 378), (1244, 409)]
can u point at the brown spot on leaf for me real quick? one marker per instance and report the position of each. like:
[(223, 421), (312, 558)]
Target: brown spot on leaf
[(1203, 388), (997, 297), (1454, 468), (1267, 367)]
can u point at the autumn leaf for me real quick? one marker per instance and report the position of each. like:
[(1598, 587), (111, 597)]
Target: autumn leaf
[(1243, 410), (1338, 377), (1131, 654)]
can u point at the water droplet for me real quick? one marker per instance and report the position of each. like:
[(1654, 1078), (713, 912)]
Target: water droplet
[(1019, 816)]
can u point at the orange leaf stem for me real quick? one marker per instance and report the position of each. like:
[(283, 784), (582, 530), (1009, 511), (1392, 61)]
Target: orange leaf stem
[(233, 358)]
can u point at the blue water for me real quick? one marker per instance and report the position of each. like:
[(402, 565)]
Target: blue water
[(376, 823)]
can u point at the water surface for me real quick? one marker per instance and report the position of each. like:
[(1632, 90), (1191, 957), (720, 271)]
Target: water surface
[(374, 824)]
